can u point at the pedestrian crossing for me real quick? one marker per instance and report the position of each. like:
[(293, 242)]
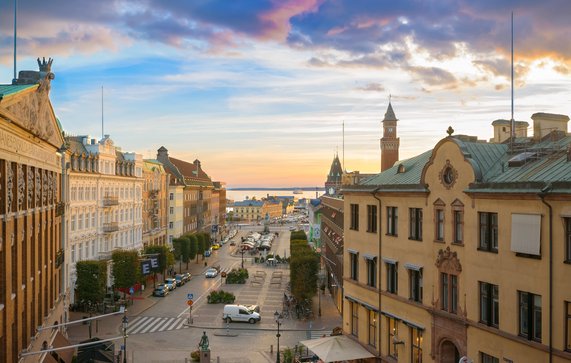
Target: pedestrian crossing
[(149, 324)]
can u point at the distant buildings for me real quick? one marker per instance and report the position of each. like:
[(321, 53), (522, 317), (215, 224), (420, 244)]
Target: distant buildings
[(463, 250), (255, 210)]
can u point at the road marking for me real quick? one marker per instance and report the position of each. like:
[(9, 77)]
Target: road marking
[(148, 324)]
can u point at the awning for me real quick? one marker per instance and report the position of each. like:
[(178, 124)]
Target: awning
[(336, 348)]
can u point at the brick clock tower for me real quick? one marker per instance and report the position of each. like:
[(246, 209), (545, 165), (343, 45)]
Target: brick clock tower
[(389, 142)]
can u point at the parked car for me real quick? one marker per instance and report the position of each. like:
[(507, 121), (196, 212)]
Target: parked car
[(179, 278), (215, 246), (163, 286), (207, 253), (240, 313), (171, 283), (161, 291), (211, 272), (186, 276)]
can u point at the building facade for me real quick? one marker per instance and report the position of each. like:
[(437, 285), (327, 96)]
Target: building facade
[(464, 250), (105, 209), (31, 207), (155, 203), (190, 196)]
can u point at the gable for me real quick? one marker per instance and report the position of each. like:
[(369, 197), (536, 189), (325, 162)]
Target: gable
[(31, 109)]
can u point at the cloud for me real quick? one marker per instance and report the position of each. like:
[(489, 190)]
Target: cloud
[(375, 87), (433, 76)]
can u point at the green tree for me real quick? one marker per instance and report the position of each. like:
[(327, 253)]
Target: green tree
[(91, 280), (201, 245), (126, 269), (193, 247)]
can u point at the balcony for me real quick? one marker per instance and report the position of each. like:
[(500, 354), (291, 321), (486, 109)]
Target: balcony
[(110, 227), (110, 200)]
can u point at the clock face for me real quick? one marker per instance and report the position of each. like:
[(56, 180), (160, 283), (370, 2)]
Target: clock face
[(390, 129)]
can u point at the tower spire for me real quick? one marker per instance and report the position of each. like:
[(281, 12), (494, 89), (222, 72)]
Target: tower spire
[(389, 142)]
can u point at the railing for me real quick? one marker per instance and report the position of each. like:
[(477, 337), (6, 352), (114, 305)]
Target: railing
[(110, 200), (110, 227)]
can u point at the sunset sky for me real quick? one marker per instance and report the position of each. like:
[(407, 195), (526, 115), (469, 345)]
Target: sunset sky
[(257, 90)]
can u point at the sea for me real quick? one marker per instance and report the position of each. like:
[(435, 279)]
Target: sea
[(238, 195)]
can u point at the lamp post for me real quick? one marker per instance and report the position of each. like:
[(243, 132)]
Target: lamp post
[(278, 317), (242, 252), (125, 325)]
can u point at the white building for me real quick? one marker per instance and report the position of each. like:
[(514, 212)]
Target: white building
[(105, 202)]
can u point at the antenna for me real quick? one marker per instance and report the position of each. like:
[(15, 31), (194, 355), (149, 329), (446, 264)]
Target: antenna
[(15, 79), (102, 124), (512, 123), (343, 167)]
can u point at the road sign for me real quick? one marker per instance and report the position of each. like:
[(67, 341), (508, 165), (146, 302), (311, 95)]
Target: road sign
[(190, 296), (189, 302), (223, 274)]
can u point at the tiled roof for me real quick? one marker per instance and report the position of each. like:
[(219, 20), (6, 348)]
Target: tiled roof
[(76, 145), (249, 203), (390, 114), (410, 174), (192, 173), (11, 89)]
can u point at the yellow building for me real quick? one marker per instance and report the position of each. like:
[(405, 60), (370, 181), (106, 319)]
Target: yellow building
[(464, 250)]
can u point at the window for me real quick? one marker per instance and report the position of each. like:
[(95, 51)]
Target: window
[(486, 358), (372, 218), (449, 292), (392, 277), (567, 239), (392, 221), (171, 210), (489, 304), (393, 327), (415, 230), (530, 315), (171, 225), (171, 196), (488, 231), (458, 226), (354, 319), (354, 217), (354, 265), (371, 271), (372, 328), (439, 215), (72, 253), (416, 345), (415, 277), (568, 326), (73, 222), (93, 219)]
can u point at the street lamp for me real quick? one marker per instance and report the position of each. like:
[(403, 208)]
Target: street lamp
[(242, 252), (125, 325), (278, 317)]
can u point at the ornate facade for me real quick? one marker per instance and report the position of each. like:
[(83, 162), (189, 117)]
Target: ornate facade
[(105, 202), (155, 203), (464, 250), (31, 241)]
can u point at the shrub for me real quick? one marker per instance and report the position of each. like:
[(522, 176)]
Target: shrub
[(195, 356), (237, 276), (221, 296)]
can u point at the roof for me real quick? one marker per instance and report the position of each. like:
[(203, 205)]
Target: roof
[(11, 89), (192, 173), (75, 145), (335, 172), (409, 174), (390, 114), (249, 203), (508, 122)]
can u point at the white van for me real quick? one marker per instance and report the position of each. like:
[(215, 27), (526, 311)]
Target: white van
[(240, 313)]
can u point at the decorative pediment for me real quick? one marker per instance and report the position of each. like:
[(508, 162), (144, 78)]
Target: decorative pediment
[(439, 203), (448, 262), (457, 204), (33, 111)]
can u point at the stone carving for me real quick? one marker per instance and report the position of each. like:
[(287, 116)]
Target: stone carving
[(30, 185), (447, 261), (54, 187), (9, 186), (45, 188), (21, 187), (50, 187), (38, 189)]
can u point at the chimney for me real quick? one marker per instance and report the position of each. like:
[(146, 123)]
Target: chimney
[(545, 123)]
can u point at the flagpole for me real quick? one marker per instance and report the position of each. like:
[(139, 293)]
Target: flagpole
[(14, 80)]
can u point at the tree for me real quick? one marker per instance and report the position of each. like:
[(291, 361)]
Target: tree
[(193, 246), (163, 254), (201, 245), (91, 280), (126, 269)]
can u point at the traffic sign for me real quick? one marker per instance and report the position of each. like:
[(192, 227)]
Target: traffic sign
[(189, 302), (190, 296), (223, 274)]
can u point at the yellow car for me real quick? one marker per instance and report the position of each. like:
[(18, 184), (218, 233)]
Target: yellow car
[(215, 246)]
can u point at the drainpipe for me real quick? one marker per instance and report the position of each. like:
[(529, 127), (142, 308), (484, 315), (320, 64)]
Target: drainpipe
[(542, 195), (374, 193)]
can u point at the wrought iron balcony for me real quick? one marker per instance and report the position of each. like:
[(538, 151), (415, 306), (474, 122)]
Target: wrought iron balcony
[(110, 227), (110, 200)]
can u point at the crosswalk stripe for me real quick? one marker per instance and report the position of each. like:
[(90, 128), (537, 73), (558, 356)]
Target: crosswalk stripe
[(149, 324)]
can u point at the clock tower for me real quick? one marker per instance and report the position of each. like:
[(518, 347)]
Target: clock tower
[(389, 142), (334, 178)]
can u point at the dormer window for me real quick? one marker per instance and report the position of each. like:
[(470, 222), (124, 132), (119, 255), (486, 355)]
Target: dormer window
[(401, 169)]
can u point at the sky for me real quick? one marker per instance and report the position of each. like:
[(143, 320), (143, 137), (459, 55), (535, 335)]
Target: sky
[(259, 90)]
